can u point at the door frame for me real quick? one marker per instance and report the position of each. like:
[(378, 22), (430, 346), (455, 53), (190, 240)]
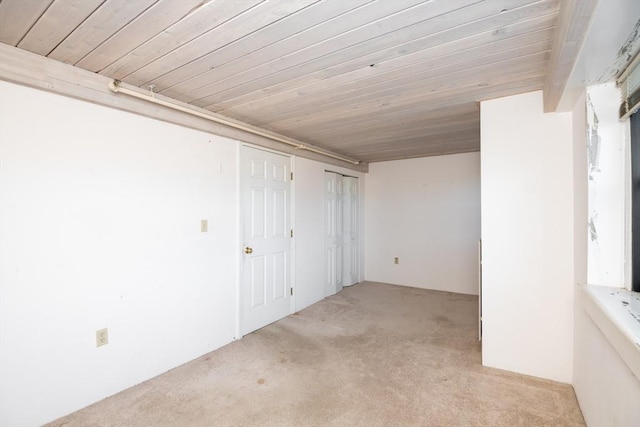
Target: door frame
[(240, 232)]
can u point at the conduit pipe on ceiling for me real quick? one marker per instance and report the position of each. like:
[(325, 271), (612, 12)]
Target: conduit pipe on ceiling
[(116, 87)]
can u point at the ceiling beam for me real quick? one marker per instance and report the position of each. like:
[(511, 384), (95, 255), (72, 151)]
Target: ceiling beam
[(573, 22)]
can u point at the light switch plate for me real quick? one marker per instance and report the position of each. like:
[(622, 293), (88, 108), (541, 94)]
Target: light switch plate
[(204, 225)]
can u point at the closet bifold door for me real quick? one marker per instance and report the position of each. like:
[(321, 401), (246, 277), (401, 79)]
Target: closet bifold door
[(350, 231), (342, 249), (333, 233)]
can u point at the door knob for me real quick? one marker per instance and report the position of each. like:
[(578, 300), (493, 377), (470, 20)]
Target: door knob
[(248, 250)]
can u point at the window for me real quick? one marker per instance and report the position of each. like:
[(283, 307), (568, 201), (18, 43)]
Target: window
[(635, 202), (629, 82)]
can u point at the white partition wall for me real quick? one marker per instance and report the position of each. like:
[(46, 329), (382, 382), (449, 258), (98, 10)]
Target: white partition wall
[(527, 237)]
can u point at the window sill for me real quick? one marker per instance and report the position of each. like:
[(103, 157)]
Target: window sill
[(616, 312)]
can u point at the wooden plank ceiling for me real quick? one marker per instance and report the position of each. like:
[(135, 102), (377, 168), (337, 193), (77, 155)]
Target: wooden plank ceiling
[(373, 80)]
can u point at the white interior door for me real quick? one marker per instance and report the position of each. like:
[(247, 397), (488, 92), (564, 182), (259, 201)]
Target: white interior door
[(350, 231), (333, 233), (266, 193)]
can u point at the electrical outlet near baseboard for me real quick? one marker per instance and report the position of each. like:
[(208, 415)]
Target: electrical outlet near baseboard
[(102, 337)]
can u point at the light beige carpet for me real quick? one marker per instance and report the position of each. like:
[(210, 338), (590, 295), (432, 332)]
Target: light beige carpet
[(373, 355)]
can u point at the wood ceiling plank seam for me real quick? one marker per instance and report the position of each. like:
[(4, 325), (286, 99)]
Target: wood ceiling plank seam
[(15, 26), (347, 140), (385, 130), (147, 25), (425, 103), (468, 140), (247, 45), (436, 149), (392, 97), (462, 144), (358, 63), (361, 146), (345, 79), (465, 111), (396, 80), (281, 67), (520, 87), (97, 27), (367, 135), (179, 33), (268, 106), (418, 142), (352, 18), (214, 107), (232, 54), (227, 32), (353, 125), (337, 58), (55, 25), (320, 75), (440, 153), (537, 58), (335, 131), (417, 136), (347, 143), (389, 94)]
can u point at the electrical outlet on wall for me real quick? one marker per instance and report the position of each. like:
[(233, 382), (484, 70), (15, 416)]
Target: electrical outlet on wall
[(102, 337), (396, 260), (204, 225)]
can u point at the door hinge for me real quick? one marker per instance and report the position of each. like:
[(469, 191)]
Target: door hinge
[(292, 232), (291, 291), (291, 176)]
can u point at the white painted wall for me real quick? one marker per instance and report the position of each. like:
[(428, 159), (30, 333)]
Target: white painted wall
[(100, 220), (527, 233), (608, 141), (606, 388), (426, 212), (309, 228), (580, 191)]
